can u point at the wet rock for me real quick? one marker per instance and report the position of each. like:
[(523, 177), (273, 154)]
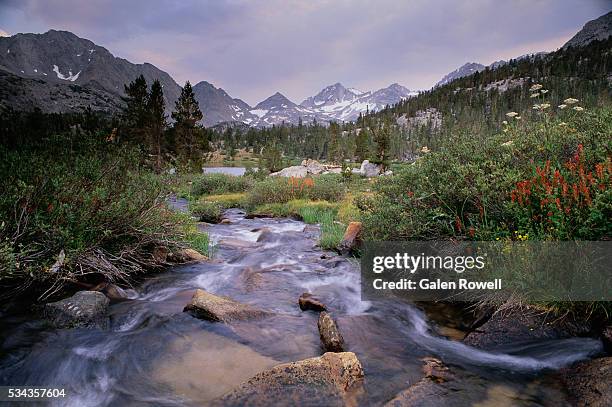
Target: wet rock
[(251, 279), (112, 292), (331, 338), (87, 309), (215, 308), (266, 235), (590, 383), (186, 256), (225, 221), (428, 391), (238, 243), (523, 324), (351, 239), (334, 379), (308, 302)]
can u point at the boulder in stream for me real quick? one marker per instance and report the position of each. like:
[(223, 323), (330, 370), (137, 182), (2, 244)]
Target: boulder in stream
[(589, 383), (308, 302), (215, 308), (331, 338), (427, 391), (523, 324), (85, 309), (186, 256), (351, 238), (112, 292), (334, 379)]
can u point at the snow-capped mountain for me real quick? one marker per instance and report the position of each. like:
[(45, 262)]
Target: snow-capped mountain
[(333, 103), (278, 109), (465, 70), (219, 107)]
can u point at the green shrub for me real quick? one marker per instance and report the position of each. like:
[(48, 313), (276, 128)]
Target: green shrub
[(206, 211), (75, 208), (465, 188), (282, 190), (212, 184)]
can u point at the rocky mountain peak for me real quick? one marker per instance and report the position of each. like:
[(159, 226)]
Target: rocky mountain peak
[(598, 29)]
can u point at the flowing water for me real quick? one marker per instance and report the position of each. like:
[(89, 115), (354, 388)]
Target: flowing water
[(155, 354)]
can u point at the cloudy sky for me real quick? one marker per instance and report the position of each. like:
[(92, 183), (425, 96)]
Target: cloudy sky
[(255, 48)]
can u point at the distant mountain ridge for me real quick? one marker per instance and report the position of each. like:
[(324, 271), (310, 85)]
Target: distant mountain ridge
[(60, 72)]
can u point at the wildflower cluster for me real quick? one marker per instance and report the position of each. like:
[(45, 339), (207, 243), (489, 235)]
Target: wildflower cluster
[(559, 198), (298, 184)]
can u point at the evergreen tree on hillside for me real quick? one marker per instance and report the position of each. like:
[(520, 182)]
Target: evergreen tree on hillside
[(333, 151), (187, 109), (157, 120), (382, 133), (189, 137), (362, 144), (135, 114)]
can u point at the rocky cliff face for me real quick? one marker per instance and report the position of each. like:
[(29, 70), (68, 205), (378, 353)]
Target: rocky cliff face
[(65, 65), (598, 29)]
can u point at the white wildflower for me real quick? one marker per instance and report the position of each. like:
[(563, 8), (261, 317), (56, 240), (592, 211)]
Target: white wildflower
[(536, 107), (518, 117), (534, 95), (535, 87), (425, 150), (508, 143), (504, 122), (562, 124), (578, 108), (544, 91), (512, 114), (570, 101), (563, 106), (544, 106)]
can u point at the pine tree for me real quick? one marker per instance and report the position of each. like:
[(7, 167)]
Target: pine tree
[(187, 110), (382, 133), (333, 151), (135, 111), (189, 136), (157, 120), (362, 144)]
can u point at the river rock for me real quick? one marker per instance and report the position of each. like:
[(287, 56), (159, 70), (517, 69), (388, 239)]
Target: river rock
[(427, 391), (590, 383), (296, 171), (88, 309), (225, 221), (112, 292), (523, 324), (308, 302), (186, 256), (215, 308), (331, 338), (351, 239), (334, 379)]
